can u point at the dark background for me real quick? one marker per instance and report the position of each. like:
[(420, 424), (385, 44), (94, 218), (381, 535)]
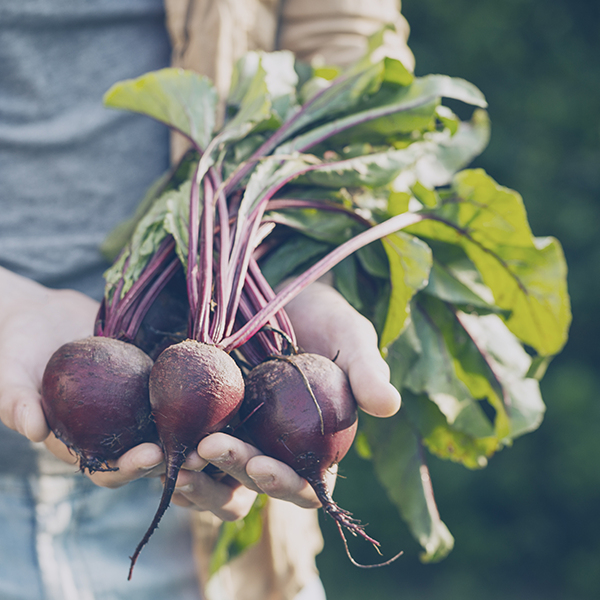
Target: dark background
[(527, 526)]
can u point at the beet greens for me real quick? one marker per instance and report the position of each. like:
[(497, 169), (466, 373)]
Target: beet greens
[(456, 286)]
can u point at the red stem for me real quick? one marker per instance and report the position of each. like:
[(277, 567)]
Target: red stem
[(193, 232), (205, 272), (319, 269)]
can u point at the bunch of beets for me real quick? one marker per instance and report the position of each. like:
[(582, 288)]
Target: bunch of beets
[(197, 339)]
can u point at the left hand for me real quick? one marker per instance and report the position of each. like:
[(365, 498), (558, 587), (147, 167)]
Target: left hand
[(325, 324)]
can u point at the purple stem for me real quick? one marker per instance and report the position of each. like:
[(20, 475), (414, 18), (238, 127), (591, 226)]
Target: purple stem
[(286, 129), (149, 297), (194, 225), (205, 273), (239, 267), (284, 323), (250, 303), (117, 317), (388, 227), (222, 290), (255, 350)]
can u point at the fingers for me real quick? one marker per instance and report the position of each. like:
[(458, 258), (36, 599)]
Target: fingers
[(246, 465), (227, 499), (278, 480), (326, 324), (145, 460), (230, 455), (20, 401)]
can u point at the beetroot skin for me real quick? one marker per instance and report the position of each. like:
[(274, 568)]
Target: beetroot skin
[(300, 410), (306, 399), (195, 389), (96, 400)]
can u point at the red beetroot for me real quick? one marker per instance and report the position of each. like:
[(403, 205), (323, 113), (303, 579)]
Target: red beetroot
[(195, 390), (95, 399), (300, 410)]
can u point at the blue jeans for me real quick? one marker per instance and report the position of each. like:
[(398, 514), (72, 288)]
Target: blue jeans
[(63, 538)]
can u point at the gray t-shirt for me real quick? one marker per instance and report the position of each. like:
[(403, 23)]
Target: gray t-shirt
[(71, 169)]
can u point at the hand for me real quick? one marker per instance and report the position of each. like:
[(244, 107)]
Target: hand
[(34, 322), (326, 324)]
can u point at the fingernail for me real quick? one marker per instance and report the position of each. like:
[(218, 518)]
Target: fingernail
[(149, 468), (185, 488), (222, 459), (263, 480), (22, 421)]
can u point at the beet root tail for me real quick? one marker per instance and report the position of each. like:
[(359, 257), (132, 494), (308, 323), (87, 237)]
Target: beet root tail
[(344, 520), (341, 516), (173, 468)]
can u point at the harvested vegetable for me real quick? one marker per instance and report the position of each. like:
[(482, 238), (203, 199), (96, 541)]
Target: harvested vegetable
[(95, 398), (308, 176)]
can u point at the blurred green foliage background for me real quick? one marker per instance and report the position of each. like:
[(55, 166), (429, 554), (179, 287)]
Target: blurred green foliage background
[(527, 526)]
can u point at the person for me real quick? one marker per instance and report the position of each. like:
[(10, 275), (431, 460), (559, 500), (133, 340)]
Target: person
[(70, 170)]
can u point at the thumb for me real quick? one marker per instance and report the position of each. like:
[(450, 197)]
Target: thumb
[(327, 324), (21, 410)]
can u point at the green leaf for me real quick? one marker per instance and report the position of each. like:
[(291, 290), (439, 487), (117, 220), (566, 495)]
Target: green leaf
[(402, 355), (286, 260), (442, 154), (423, 92), (439, 372), (447, 118), (443, 440), (373, 259), (346, 282), (275, 69), (237, 536), (117, 239), (327, 226), (329, 99), (444, 284), (255, 107), (410, 262), (182, 99), (460, 362), (371, 170), (144, 242), (399, 461), (424, 195), (511, 367), (167, 215), (394, 70), (430, 162), (176, 218), (526, 275)]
